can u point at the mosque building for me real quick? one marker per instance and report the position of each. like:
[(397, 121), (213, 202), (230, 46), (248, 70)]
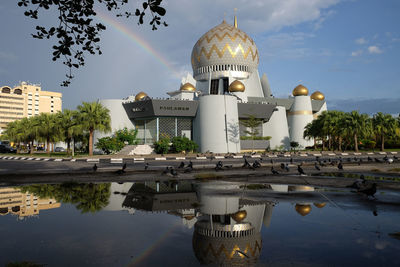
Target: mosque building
[(209, 105)]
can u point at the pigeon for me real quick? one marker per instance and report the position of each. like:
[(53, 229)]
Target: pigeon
[(358, 184), (190, 165), (188, 169), (246, 163), (182, 165), (218, 166), (228, 166), (256, 164), (389, 161), (369, 158), (166, 170), (378, 160), (370, 191), (300, 170), (95, 167), (282, 166), (274, 172), (146, 166), (287, 167), (291, 160), (173, 171), (340, 166), (317, 167)]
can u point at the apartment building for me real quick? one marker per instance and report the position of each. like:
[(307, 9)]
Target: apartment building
[(26, 100)]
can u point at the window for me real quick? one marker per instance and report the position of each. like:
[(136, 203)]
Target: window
[(6, 90), (225, 82), (18, 91), (214, 87)]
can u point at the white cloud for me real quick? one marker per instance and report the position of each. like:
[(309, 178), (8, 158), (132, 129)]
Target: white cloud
[(356, 53), (373, 49), (361, 41)]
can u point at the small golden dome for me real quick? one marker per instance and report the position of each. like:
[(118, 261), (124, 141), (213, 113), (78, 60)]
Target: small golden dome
[(317, 95), (302, 209), (188, 87), (320, 205), (140, 96), (189, 217), (236, 86), (300, 90), (239, 216)]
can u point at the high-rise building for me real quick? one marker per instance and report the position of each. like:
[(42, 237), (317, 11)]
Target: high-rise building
[(26, 100)]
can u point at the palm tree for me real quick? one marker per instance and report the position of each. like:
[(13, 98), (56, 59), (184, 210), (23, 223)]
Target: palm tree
[(93, 116), (28, 131), (48, 128), (357, 125), (69, 126), (384, 125), (313, 130)]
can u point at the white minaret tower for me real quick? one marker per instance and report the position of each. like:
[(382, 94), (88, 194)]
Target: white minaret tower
[(299, 116)]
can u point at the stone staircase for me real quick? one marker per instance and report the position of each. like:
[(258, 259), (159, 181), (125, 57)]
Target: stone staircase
[(136, 150)]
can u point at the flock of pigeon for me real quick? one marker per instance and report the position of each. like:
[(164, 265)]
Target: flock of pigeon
[(360, 184)]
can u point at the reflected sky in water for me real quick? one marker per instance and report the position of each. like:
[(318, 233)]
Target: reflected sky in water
[(190, 223)]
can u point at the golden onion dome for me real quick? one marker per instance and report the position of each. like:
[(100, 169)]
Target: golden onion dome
[(239, 216), (300, 90), (236, 86), (189, 217), (320, 205), (140, 96), (188, 87), (302, 209), (317, 95)]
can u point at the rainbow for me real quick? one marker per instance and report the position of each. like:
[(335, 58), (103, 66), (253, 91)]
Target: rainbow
[(149, 250), (135, 38)]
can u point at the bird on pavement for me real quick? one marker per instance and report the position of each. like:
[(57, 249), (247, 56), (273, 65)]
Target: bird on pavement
[(124, 167), (218, 166), (188, 169), (256, 164), (246, 163), (182, 165), (190, 165), (287, 167), (370, 191), (166, 170), (358, 184), (291, 160), (95, 167), (275, 172), (300, 170), (173, 171), (146, 166), (282, 166), (317, 167), (340, 166)]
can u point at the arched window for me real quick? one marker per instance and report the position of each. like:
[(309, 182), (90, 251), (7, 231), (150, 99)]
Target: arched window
[(18, 91), (6, 90)]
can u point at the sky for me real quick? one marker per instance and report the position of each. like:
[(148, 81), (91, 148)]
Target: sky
[(347, 49)]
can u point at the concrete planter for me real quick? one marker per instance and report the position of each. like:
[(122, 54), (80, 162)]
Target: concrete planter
[(258, 144)]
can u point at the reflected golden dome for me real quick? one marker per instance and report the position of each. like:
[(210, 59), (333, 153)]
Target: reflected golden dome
[(317, 95), (236, 86), (188, 87), (140, 96), (300, 90), (302, 209), (239, 216), (320, 205)]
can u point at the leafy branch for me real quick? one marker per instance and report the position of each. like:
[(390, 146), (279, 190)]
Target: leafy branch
[(77, 34)]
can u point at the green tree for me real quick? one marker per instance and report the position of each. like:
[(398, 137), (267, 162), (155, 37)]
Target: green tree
[(48, 128), (93, 116), (162, 146), (127, 136), (357, 125), (313, 130), (294, 144), (180, 144), (69, 126), (252, 125), (384, 125)]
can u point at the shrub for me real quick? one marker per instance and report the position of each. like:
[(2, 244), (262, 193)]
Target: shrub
[(109, 144), (161, 146), (294, 144), (180, 144), (127, 136)]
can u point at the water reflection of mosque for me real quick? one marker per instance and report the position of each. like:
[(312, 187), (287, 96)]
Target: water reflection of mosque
[(227, 223)]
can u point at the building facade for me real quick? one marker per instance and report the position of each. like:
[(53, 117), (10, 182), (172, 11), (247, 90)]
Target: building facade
[(224, 89), (26, 100)]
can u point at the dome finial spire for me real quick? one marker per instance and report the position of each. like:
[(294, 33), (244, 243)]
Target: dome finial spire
[(235, 20)]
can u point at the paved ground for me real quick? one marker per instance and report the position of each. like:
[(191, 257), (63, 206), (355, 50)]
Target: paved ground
[(31, 171)]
